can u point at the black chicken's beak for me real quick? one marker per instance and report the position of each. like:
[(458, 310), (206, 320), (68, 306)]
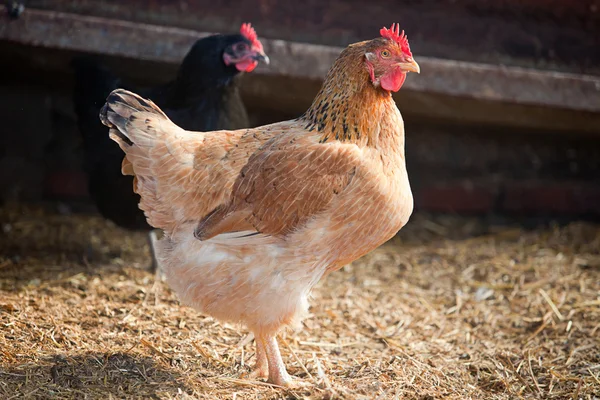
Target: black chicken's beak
[(261, 57)]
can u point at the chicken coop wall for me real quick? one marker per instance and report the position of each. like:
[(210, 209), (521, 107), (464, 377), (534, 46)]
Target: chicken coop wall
[(555, 34)]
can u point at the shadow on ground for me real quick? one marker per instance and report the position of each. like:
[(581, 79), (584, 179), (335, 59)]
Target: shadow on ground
[(92, 376)]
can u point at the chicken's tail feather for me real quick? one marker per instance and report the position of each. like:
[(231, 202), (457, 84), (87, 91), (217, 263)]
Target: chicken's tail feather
[(123, 109), (139, 126)]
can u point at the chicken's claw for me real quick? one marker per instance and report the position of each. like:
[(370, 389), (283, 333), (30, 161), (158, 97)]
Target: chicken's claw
[(294, 383), (259, 373), (261, 368)]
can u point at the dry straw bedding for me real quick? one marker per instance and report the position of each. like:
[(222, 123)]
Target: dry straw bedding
[(452, 308)]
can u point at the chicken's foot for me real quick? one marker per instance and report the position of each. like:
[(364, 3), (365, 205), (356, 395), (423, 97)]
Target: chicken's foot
[(277, 373), (261, 368)]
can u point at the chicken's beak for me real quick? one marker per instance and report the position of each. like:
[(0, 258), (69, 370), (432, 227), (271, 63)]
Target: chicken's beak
[(409, 65), (261, 57)]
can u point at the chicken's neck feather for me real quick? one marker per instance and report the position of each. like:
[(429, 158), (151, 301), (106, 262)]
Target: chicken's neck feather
[(349, 108)]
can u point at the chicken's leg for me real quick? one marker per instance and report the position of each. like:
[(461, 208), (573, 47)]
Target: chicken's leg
[(277, 372), (261, 368), (155, 266)]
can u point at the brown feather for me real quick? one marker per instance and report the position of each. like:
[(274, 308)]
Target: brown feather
[(284, 185), (275, 207)]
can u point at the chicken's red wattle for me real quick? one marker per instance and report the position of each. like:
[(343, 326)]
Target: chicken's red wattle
[(246, 65), (393, 80)]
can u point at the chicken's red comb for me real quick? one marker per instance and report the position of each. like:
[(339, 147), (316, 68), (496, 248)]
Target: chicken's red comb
[(249, 33), (397, 36)]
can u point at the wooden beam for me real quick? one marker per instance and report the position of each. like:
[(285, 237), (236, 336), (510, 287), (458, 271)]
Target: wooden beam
[(306, 64)]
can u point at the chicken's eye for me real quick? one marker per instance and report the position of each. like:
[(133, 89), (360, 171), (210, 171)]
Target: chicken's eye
[(385, 53), (240, 46)]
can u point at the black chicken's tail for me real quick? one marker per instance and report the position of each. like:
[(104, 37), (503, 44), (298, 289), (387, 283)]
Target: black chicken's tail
[(93, 82)]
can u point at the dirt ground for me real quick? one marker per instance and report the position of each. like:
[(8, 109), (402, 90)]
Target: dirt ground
[(451, 308)]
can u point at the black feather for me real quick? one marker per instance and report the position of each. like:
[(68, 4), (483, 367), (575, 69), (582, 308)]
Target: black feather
[(203, 97)]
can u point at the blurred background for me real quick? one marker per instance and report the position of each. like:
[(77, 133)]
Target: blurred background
[(503, 121)]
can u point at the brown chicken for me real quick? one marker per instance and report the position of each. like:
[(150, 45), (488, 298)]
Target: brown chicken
[(254, 218)]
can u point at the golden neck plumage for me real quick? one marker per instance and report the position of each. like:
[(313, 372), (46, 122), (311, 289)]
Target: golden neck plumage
[(348, 108)]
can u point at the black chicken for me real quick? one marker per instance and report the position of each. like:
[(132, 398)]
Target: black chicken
[(203, 97)]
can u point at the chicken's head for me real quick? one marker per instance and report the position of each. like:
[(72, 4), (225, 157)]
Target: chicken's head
[(389, 59), (246, 53)]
